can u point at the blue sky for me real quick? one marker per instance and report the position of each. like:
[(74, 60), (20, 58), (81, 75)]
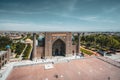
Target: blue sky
[(60, 15)]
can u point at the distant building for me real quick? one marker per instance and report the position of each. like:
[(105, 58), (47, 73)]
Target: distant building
[(15, 36), (4, 57), (28, 41)]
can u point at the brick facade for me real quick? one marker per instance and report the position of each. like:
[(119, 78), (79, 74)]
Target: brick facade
[(50, 39)]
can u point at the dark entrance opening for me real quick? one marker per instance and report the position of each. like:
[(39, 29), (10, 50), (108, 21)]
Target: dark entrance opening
[(58, 48), (56, 52)]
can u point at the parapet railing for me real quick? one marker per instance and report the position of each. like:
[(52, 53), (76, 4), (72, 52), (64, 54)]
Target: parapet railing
[(109, 61), (4, 74)]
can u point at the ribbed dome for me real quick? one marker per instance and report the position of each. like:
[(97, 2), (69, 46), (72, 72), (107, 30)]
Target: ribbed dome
[(73, 38), (28, 40), (40, 38), (7, 47)]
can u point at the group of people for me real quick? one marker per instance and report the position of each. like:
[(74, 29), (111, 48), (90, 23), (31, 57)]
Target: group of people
[(81, 54)]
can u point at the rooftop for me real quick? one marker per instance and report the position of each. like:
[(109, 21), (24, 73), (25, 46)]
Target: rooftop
[(77, 69), (2, 52)]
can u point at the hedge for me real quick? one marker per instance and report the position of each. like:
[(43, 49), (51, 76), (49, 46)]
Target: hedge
[(27, 52), (19, 48), (86, 51)]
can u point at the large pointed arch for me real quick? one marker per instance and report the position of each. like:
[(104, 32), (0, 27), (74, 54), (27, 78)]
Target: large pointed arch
[(58, 48)]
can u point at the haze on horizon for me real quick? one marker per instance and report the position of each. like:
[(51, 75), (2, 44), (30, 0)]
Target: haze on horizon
[(60, 15)]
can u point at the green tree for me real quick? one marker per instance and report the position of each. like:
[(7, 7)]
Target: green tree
[(19, 48), (4, 41)]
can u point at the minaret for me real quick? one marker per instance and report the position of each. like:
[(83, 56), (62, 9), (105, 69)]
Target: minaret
[(34, 47), (8, 52), (78, 43)]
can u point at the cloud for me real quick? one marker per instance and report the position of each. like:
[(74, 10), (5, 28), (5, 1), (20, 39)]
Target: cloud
[(32, 27), (56, 22), (38, 7), (17, 26), (89, 18), (71, 5), (22, 12), (57, 14), (97, 19), (110, 10), (54, 26)]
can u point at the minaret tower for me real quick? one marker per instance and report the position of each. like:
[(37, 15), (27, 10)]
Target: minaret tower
[(78, 47), (34, 47), (8, 52)]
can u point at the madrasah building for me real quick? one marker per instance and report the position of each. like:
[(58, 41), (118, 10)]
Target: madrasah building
[(50, 44)]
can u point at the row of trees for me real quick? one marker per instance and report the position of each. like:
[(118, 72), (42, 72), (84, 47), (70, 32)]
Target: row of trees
[(27, 52), (4, 41), (31, 36), (19, 48), (86, 51), (101, 41)]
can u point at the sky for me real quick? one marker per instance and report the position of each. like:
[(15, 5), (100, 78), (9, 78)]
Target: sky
[(60, 15)]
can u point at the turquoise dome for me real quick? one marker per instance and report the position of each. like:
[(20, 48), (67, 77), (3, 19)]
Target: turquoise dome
[(7, 47), (73, 38), (40, 38)]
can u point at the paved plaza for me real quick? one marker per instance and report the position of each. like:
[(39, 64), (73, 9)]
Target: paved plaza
[(77, 69)]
